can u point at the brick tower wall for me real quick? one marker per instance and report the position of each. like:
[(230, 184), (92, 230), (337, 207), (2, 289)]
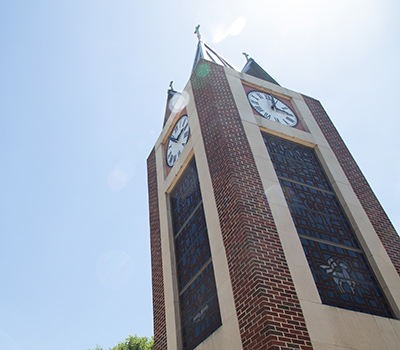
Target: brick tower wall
[(160, 331), (379, 220), (267, 306)]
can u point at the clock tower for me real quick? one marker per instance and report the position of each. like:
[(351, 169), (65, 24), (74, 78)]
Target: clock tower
[(264, 232)]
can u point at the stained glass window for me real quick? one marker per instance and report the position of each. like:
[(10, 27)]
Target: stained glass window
[(199, 308), (340, 269)]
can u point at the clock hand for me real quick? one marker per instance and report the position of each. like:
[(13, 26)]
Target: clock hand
[(273, 101), (180, 134), (173, 139), (283, 111)]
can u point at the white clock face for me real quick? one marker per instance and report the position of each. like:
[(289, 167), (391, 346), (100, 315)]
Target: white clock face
[(270, 107), (177, 140)]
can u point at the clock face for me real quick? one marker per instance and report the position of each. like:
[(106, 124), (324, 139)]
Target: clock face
[(270, 107), (177, 140)]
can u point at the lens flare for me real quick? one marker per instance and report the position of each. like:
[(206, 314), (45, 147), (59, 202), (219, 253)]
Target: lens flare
[(237, 26), (6, 342), (273, 193), (115, 269), (126, 166), (117, 179), (203, 70), (178, 102), (222, 31), (219, 34)]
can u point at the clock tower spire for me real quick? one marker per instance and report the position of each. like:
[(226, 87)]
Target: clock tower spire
[(205, 52)]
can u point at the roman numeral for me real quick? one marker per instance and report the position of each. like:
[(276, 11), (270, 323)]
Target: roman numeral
[(254, 102)]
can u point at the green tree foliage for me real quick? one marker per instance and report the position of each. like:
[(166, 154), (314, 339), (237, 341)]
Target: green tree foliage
[(133, 343)]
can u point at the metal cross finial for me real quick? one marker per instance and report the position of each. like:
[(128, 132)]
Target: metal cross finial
[(197, 31), (246, 55), (170, 85)]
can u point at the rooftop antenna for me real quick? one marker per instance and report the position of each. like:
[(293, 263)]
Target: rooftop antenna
[(197, 32)]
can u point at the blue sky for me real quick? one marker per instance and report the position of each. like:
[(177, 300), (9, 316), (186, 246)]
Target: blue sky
[(82, 97)]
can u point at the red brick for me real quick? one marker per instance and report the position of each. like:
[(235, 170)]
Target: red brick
[(160, 330)]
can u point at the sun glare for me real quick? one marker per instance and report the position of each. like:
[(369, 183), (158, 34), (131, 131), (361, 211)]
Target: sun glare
[(221, 31), (178, 102), (237, 26)]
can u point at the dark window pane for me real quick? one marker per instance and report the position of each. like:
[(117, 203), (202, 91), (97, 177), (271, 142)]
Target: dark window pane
[(317, 214), (200, 309), (192, 247), (185, 196), (296, 163)]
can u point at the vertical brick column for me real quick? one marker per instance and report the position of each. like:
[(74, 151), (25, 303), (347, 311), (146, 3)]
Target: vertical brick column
[(267, 306), (367, 198), (160, 331)]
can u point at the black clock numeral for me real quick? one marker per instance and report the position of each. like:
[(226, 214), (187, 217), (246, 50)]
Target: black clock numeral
[(254, 102), (267, 115), (252, 96), (290, 119), (277, 119), (286, 121), (186, 134)]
